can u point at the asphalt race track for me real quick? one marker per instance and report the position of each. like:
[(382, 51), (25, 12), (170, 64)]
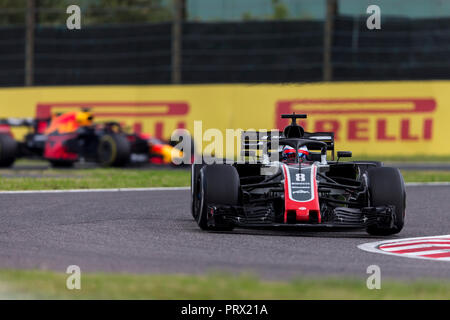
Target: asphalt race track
[(153, 232)]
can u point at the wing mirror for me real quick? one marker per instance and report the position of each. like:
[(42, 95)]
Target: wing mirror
[(344, 154)]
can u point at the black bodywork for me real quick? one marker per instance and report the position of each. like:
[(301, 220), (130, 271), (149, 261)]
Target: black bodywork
[(350, 194)]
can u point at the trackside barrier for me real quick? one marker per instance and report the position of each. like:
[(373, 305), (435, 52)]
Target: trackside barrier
[(376, 118)]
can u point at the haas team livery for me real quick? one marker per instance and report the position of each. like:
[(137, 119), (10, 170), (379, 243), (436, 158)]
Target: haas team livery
[(303, 188)]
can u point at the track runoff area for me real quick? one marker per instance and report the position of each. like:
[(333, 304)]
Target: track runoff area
[(430, 247)]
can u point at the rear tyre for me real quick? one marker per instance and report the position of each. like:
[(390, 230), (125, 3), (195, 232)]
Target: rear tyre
[(386, 187), (195, 195), (113, 150), (8, 150), (218, 184)]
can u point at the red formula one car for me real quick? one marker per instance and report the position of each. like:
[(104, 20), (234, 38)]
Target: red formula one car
[(301, 188), (73, 136)]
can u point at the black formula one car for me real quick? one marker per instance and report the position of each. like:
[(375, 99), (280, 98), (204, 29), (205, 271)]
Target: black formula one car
[(301, 189)]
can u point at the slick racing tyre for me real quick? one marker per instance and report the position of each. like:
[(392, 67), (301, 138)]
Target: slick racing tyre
[(195, 195), (8, 150), (386, 187), (113, 150), (218, 184)]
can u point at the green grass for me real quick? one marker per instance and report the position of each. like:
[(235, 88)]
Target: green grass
[(31, 162), (101, 178), (426, 176), (54, 179), (50, 285)]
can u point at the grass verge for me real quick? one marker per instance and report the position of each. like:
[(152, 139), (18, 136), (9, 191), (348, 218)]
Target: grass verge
[(426, 176), (53, 179), (25, 284)]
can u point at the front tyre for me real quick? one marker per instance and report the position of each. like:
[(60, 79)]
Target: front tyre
[(8, 150), (195, 194), (218, 184), (114, 150), (386, 187)]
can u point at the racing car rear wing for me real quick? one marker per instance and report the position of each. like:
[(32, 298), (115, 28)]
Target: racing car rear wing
[(38, 125), (17, 122), (327, 137), (257, 143)]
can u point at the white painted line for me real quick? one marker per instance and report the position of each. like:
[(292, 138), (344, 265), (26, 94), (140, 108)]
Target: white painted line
[(374, 247), (410, 184), (96, 190)]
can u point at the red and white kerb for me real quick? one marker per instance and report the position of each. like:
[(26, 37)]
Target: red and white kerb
[(434, 248)]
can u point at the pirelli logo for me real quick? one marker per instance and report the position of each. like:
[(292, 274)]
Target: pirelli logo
[(158, 112), (365, 119), (351, 119)]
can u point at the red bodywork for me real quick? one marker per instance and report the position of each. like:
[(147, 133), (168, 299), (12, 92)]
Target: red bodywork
[(56, 138), (303, 209), (55, 148), (60, 129), (6, 129)]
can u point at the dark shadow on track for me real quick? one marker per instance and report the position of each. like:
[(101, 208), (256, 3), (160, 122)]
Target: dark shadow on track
[(337, 233)]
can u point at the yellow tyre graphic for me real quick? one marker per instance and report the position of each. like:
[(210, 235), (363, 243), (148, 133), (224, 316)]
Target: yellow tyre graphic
[(113, 150)]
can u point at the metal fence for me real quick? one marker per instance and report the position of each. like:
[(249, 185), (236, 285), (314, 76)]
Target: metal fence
[(340, 48)]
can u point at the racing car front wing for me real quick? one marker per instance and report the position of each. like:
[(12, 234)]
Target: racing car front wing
[(264, 216)]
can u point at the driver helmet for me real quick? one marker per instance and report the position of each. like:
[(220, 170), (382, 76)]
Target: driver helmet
[(288, 153), (84, 118)]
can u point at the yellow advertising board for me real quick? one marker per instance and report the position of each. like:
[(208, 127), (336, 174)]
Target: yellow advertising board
[(376, 118)]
